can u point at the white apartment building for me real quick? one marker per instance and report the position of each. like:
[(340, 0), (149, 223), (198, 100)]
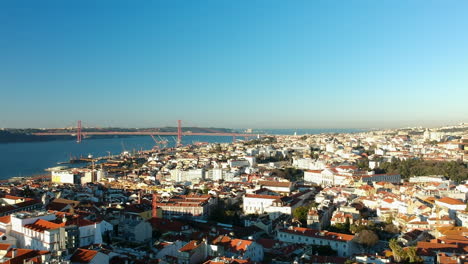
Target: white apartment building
[(341, 243), (280, 187), (188, 175), (257, 203), (35, 231), (451, 204), (45, 231)]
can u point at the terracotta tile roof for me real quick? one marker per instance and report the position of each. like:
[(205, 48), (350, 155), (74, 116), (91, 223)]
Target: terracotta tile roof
[(268, 243), (163, 224), (78, 221), (11, 197), (221, 239), (190, 246), (388, 200), (4, 246), (5, 219), (454, 239), (234, 245), (240, 244), (82, 255), (261, 196), (42, 225), (314, 171), (24, 255), (55, 206), (430, 249), (451, 201), (275, 184), (453, 230), (318, 234)]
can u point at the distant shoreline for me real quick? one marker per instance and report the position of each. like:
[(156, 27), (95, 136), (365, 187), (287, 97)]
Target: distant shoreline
[(22, 178), (26, 138)]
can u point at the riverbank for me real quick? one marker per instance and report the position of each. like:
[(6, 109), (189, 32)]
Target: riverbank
[(31, 158), (9, 137)]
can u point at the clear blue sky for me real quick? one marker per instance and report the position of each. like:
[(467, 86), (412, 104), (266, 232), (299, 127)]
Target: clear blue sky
[(260, 64)]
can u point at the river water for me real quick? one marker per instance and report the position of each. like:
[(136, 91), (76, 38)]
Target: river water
[(31, 158)]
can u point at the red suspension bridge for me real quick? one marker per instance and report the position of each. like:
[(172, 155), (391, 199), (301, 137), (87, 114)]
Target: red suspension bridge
[(80, 133)]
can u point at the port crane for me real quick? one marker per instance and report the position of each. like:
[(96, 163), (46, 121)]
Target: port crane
[(161, 142)]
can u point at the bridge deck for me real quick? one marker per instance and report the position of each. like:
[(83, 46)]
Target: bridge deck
[(142, 133)]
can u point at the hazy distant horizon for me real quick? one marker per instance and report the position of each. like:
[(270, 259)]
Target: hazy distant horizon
[(254, 128)]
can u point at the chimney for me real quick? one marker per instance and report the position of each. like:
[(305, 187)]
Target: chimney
[(13, 253), (155, 212)]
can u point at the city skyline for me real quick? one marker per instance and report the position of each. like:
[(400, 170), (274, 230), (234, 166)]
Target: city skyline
[(264, 64)]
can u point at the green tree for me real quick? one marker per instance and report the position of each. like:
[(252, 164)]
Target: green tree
[(300, 213), (397, 250), (341, 227), (324, 250), (367, 238), (454, 170), (412, 255)]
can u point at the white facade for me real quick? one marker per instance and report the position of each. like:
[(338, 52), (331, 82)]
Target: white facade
[(451, 204), (462, 218), (314, 176), (238, 163), (249, 250), (325, 177), (341, 243), (188, 175), (63, 177), (88, 235), (252, 160), (435, 178), (257, 204)]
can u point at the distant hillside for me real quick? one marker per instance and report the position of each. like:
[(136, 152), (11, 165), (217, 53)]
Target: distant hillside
[(10, 137), (25, 135)]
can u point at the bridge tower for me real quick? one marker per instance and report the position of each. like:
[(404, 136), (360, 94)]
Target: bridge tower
[(78, 132), (179, 133)]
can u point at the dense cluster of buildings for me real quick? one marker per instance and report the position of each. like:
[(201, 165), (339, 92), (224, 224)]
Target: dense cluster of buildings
[(282, 199)]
